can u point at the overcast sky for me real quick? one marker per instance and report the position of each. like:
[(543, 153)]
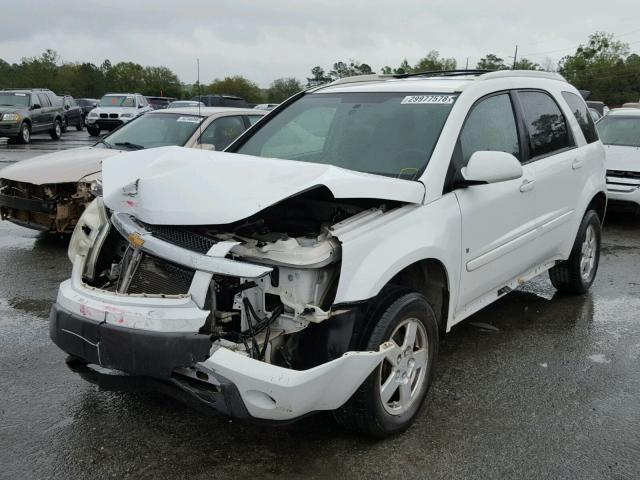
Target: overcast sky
[(263, 40)]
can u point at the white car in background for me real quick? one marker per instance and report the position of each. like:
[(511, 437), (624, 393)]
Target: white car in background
[(315, 263), (50, 192), (114, 109), (620, 133)]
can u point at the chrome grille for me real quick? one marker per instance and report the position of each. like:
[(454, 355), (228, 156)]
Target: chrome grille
[(155, 276), (113, 115), (623, 174), (104, 115), (181, 237)]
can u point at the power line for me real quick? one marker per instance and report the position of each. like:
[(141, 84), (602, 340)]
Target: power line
[(575, 46)]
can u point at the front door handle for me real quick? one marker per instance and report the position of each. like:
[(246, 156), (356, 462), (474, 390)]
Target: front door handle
[(576, 164), (527, 185)]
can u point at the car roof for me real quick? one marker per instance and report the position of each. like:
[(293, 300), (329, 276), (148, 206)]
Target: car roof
[(436, 82), (207, 111), (624, 112)]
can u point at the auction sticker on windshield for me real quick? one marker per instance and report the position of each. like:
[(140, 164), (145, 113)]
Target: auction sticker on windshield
[(438, 99), (189, 119)]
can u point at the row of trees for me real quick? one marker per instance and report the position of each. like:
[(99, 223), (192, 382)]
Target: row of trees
[(603, 65)]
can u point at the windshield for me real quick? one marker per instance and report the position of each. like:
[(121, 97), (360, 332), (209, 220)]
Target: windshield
[(384, 133), (153, 130), (11, 99), (620, 131), (184, 104), (117, 101)]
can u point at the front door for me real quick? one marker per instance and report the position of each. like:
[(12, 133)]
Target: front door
[(499, 219)]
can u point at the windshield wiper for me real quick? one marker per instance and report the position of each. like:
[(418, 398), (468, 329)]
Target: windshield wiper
[(106, 144), (132, 146)]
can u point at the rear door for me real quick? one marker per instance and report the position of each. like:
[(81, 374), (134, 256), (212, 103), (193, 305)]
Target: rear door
[(551, 149), (499, 219)]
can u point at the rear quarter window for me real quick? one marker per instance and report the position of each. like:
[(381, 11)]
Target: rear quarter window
[(582, 115)]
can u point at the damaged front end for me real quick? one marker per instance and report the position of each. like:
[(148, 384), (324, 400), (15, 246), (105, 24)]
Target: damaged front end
[(53, 208), (240, 315)]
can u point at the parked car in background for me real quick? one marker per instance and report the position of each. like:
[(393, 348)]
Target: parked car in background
[(315, 263), (24, 112), (620, 133), (222, 101), (185, 104), (595, 114), (158, 103), (87, 104), (50, 192), (631, 105), (266, 106), (72, 113), (599, 106), (114, 109)]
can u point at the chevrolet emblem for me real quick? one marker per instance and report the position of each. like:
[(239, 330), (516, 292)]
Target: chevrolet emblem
[(135, 240)]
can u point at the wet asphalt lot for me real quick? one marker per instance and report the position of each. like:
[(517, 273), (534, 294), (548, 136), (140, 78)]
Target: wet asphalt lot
[(536, 386)]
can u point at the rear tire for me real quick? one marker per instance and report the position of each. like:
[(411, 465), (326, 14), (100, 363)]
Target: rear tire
[(94, 132), (65, 125), (56, 131), (389, 399), (576, 274)]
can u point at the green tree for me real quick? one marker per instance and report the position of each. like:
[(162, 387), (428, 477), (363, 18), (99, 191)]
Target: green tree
[(491, 62), (351, 69), (526, 64), (282, 88), (161, 81), (603, 66), (318, 77), (433, 62), (401, 70), (236, 85)]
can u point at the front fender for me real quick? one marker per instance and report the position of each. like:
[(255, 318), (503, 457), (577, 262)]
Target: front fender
[(375, 252)]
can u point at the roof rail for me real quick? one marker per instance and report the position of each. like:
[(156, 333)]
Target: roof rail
[(442, 73), (522, 73), (373, 77)]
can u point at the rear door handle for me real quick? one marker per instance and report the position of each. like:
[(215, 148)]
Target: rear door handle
[(527, 185), (576, 164)]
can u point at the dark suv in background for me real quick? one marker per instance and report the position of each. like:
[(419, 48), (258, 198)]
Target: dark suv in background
[(73, 115), (27, 111)]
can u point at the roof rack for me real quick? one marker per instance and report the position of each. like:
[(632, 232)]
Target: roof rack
[(443, 73), (372, 77), (522, 73)]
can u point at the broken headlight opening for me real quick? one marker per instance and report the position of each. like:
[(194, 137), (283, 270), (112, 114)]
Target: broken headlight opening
[(88, 236)]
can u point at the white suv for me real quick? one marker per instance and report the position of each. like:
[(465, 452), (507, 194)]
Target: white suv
[(315, 267), (114, 109)]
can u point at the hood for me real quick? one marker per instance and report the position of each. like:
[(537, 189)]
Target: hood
[(623, 158), (182, 186), (59, 167), (119, 110), (6, 109)]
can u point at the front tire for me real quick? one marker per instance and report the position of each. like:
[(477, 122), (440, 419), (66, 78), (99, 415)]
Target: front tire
[(24, 136), (56, 131), (93, 131), (65, 125), (390, 398), (576, 274), (80, 125)]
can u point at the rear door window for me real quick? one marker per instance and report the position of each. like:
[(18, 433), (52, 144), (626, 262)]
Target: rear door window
[(546, 126), (44, 100), (583, 117), (222, 131)]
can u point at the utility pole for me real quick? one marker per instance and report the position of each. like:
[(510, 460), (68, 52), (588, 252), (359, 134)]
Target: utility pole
[(466, 67), (515, 57)]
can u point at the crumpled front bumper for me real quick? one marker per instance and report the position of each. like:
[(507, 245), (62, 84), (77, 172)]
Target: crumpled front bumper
[(130, 334)]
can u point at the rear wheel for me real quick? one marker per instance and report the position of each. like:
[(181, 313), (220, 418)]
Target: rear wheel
[(65, 125), (390, 398), (56, 131), (577, 273), (93, 131)]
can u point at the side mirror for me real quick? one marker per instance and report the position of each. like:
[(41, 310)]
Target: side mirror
[(491, 167), (139, 106), (207, 146), (35, 106), (67, 107)]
